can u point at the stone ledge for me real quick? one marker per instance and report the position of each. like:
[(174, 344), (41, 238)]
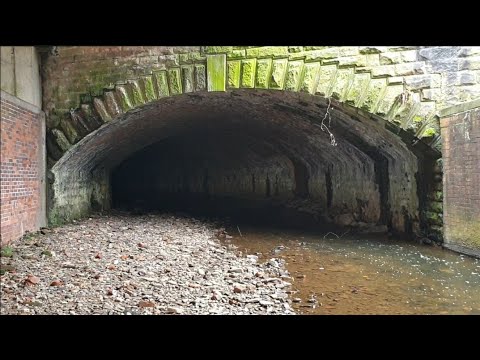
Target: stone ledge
[(462, 250), (19, 102), (456, 109)]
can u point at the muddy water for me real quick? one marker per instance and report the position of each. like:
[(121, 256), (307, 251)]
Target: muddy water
[(369, 275)]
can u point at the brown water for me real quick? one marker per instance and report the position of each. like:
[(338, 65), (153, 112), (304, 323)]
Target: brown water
[(369, 275)]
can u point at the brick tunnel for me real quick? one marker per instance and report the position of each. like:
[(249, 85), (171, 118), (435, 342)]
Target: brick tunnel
[(255, 154), (237, 130)]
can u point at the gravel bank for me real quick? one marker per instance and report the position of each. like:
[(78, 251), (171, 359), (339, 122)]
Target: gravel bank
[(147, 264)]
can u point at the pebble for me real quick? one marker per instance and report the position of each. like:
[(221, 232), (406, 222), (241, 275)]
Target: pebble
[(147, 264)]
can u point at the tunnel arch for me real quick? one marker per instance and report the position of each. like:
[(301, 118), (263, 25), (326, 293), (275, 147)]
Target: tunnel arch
[(370, 177)]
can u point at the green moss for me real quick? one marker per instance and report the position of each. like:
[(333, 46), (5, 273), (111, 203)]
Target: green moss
[(69, 131), (174, 81), (190, 57), (263, 73), (310, 74), (267, 51), (434, 218), (296, 49), (326, 79), (162, 83), (429, 132), (187, 78), (218, 49), (216, 72), (309, 48), (436, 206), (125, 102), (233, 71), (236, 54), (47, 253), (248, 73), (294, 71), (200, 79), (343, 79), (374, 92), (61, 140), (149, 88), (279, 68), (137, 96), (6, 251), (417, 118)]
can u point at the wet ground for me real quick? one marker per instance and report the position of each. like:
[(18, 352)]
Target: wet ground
[(367, 275)]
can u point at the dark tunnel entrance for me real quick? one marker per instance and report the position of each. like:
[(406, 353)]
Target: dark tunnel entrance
[(259, 156), (216, 168)]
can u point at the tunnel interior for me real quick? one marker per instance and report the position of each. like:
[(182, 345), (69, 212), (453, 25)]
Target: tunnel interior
[(254, 155)]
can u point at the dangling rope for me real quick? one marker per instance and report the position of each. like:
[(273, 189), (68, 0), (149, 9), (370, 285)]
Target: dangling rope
[(324, 127)]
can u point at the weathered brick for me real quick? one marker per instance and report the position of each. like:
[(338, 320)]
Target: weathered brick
[(20, 170)]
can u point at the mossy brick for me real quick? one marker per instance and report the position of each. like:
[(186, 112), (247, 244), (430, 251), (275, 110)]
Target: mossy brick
[(137, 96), (69, 130), (310, 48), (174, 81), (90, 116), (383, 71), (327, 53), (343, 81), (293, 76), (429, 132), (101, 109), (190, 58), (358, 89), (436, 196), (295, 49), (248, 73), (216, 72), (149, 88), (61, 140), (407, 69), (310, 77), (358, 60), (374, 94), (122, 95), (217, 49), (326, 79), (200, 77), (233, 74), (418, 82), (403, 109), (161, 81), (187, 78), (267, 51), (391, 93), (277, 79), (372, 49), (236, 54), (111, 103), (264, 67)]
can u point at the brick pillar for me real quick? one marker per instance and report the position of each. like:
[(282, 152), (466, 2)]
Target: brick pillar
[(22, 168), (460, 127)]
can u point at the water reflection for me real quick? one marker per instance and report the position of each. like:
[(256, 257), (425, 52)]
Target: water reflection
[(367, 275)]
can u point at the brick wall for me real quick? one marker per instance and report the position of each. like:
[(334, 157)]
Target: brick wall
[(22, 166), (461, 159)]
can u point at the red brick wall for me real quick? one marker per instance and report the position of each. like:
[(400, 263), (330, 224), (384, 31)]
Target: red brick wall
[(461, 161), (21, 170)]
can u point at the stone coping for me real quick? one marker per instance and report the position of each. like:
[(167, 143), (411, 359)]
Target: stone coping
[(22, 103), (459, 108)]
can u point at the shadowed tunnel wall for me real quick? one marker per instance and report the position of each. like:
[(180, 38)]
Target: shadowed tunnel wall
[(252, 145)]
